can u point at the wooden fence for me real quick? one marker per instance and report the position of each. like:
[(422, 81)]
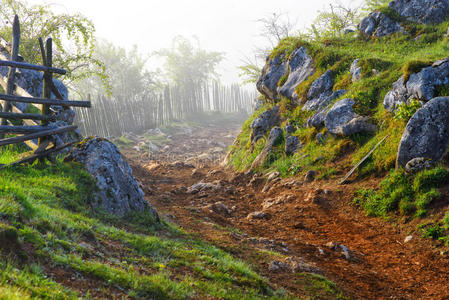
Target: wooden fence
[(33, 126), (112, 117)]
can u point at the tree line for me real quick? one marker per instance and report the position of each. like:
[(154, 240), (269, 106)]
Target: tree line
[(112, 117)]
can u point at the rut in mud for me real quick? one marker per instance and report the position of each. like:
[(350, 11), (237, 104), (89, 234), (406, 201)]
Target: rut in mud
[(312, 224)]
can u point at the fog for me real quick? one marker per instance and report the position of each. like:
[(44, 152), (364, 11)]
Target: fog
[(228, 26)]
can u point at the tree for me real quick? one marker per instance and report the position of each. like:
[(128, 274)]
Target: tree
[(250, 70), (73, 37), (335, 21), (126, 73), (187, 64), (276, 27)]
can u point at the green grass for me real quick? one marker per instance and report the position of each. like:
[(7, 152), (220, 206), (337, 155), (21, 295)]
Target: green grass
[(406, 194), (46, 220)]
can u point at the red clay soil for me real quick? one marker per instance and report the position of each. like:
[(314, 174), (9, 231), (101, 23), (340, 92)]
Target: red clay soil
[(301, 221)]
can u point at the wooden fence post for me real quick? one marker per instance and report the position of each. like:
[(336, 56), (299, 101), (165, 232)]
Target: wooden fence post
[(12, 71), (47, 59)]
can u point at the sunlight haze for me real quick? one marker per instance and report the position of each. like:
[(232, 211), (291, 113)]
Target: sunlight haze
[(227, 26)]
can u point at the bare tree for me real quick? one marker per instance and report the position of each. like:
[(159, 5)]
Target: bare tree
[(275, 27)]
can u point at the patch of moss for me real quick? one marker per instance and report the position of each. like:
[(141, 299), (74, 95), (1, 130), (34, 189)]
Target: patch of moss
[(414, 66)]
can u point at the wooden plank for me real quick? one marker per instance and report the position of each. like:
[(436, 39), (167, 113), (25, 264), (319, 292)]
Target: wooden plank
[(20, 139), (21, 116), (73, 103), (22, 65), (25, 121), (362, 161), (32, 145), (31, 159), (23, 129)]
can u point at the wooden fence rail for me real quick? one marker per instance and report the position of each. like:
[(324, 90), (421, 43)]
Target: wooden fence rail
[(31, 129)]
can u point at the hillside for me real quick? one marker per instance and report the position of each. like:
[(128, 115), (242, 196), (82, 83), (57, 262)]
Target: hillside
[(336, 187), (336, 99)]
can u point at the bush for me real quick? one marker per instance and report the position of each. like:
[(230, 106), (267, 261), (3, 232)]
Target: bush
[(406, 111)]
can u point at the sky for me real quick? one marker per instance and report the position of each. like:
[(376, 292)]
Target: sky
[(228, 26)]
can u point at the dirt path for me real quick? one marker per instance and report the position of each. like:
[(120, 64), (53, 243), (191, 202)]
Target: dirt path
[(310, 223)]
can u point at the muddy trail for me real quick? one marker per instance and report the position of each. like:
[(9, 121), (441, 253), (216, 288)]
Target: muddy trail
[(312, 226)]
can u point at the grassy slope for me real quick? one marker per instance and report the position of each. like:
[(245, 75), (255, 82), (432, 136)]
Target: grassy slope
[(390, 57), (53, 246), (45, 224)]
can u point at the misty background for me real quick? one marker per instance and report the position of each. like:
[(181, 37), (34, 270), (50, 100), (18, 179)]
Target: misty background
[(226, 26), (147, 64)]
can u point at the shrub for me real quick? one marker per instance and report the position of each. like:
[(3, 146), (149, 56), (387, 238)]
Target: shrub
[(406, 111)]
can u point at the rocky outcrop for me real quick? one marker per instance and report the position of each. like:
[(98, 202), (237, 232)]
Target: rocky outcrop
[(296, 69), (422, 11), (342, 120), (379, 25), (322, 86), (264, 123), (118, 192), (422, 85), (275, 138), (321, 106), (318, 104), (427, 133), (300, 67), (274, 69)]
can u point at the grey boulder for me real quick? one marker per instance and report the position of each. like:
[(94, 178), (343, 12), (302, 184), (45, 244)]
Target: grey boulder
[(321, 108), (275, 137), (426, 134), (322, 85), (118, 191), (265, 122), (292, 145), (422, 11), (274, 69), (418, 164), (300, 68), (421, 85), (342, 120), (379, 25)]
